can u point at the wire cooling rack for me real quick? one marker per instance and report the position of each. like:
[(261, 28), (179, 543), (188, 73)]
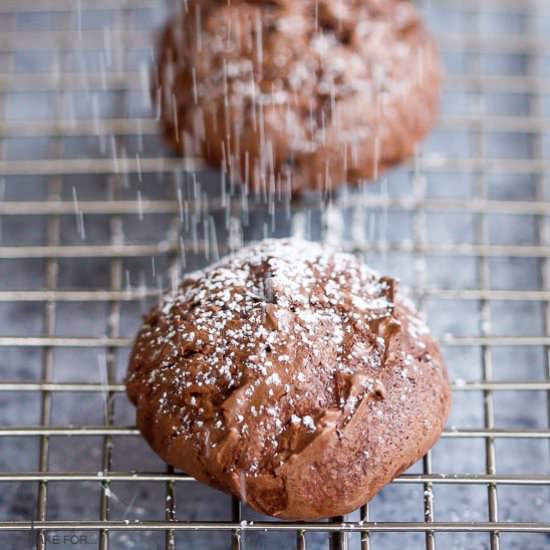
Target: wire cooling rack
[(96, 217)]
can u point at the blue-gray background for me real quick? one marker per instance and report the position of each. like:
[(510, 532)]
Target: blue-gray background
[(487, 124)]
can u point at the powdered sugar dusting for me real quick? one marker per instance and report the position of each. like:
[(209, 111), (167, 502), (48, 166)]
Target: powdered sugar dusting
[(259, 344)]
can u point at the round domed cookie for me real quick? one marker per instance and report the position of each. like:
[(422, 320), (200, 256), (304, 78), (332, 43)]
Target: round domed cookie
[(291, 376), (297, 95)]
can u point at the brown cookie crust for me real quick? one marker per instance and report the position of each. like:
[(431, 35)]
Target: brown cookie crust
[(297, 95), (290, 376)]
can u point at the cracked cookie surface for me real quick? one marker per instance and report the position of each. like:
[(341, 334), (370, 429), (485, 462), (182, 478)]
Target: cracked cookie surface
[(291, 376)]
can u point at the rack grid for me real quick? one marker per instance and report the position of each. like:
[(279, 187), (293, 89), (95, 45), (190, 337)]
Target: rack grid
[(97, 217)]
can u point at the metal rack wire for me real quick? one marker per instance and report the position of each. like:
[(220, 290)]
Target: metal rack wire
[(93, 201)]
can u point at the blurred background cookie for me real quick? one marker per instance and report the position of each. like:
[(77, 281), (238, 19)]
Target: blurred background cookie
[(297, 95)]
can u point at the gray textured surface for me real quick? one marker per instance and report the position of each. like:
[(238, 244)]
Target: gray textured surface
[(456, 317)]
